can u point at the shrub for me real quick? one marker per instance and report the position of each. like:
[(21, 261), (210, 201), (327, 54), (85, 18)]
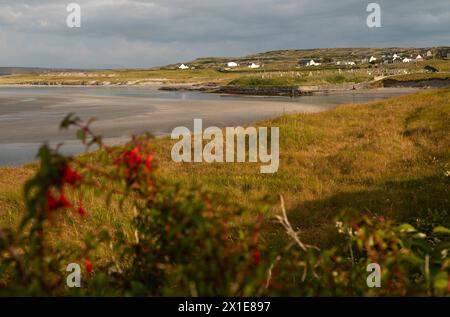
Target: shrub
[(185, 241), (412, 263)]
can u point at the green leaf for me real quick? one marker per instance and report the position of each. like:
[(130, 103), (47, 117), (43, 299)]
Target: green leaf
[(81, 135), (441, 282), (69, 120), (441, 230), (407, 228), (420, 235)]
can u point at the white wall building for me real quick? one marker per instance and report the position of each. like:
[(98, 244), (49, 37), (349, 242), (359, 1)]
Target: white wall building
[(346, 63), (254, 66), (313, 63), (183, 67), (232, 64)]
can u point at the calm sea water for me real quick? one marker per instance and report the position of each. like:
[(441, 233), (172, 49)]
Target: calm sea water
[(30, 116)]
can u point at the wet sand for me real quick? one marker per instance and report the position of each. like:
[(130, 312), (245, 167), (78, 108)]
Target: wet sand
[(29, 117)]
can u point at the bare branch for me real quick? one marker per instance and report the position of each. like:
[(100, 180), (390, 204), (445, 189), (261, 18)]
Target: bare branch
[(294, 235)]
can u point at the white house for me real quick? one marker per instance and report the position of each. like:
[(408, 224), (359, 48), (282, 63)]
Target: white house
[(395, 57), (183, 67), (406, 60), (232, 64), (372, 59), (313, 63), (419, 58), (254, 66), (348, 63)]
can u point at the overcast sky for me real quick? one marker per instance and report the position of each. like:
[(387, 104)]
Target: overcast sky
[(138, 33)]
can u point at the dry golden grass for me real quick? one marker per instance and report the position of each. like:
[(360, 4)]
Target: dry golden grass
[(122, 77), (386, 158)]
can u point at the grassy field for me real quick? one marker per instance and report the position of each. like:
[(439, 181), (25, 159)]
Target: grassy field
[(303, 76), (387, 158), (121, 77), (301, 79), (241, 77), (421, 76)]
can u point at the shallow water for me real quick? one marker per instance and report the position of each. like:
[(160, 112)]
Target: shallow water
[(30, 116)]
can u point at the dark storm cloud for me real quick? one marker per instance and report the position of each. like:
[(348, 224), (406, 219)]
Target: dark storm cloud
[(144, 33)]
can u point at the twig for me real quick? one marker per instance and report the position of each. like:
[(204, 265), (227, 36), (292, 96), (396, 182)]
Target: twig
[(284, 221), (269, 272), (294, 235)]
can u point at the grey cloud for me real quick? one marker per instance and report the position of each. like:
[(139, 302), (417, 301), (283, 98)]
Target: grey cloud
[(132, 33)]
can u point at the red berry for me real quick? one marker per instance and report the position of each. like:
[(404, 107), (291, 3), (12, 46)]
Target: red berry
[(81, 210), (70, 176), (52, 203), (63, 201), (132, 158), (148, 162), (89, 266), (257, 256)]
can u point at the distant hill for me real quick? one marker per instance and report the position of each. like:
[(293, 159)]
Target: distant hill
[(273, 60), (289, 58), (34, 70)]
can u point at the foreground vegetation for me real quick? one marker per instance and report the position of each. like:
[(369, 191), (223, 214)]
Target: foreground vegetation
[(371, 167)]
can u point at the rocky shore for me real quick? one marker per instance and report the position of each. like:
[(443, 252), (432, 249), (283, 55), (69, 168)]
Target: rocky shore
[(271, 91), (427, 83), (285, 91)]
